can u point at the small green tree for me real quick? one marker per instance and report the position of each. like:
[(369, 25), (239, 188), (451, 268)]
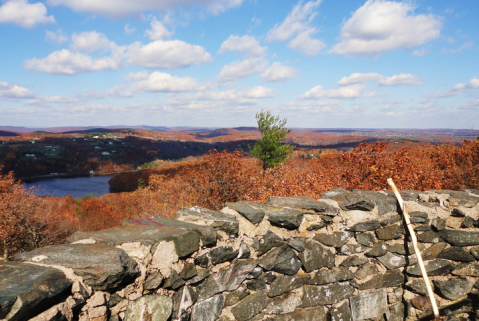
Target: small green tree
[(269, 148)]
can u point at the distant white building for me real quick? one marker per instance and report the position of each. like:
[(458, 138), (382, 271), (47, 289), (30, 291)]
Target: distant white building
[(105, 153)]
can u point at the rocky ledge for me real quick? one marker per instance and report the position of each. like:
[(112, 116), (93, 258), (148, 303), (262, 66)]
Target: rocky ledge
[(343, 257)]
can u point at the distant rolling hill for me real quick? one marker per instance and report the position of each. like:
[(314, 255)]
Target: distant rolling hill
[(8, 133)]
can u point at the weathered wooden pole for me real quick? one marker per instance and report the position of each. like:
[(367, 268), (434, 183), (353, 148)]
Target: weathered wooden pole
[(416, 249)]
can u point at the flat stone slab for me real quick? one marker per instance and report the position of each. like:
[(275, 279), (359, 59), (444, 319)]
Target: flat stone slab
[(102, 267), (285, 283), (326, 294), (368, 305), (467, 269), (434, 267), (149, 308), (281, 259), (385, 203), (208, 310), (263, 244), (186, 241), (216, 256), (392, 261), (327, 276), (315, 256), (456, 253), (202, 216), (27, 290), (391, 278), (453, 289), (311, 314), (287, 218), (207, 233), (349, 201), (250, 306), (249, 210), (460, 238), (303, 202), (335, 239)]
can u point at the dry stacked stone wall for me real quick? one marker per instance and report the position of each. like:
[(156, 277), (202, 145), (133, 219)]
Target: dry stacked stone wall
[(343, 257)]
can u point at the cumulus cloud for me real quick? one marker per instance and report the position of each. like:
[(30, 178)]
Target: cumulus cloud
[(158, 31), (458, 89), (278, 72), (242, 69), (128, 30), (396, 80), (10, 91), (56, 37), (297, 27), (45, 100), (91, 41), (24, 14), (257, 92), (346, 92), (119, 92), (163, 83), (171, 54), (381, 25), (124, 8), (246, 45)]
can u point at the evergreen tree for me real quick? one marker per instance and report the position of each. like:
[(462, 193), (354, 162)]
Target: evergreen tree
[(269, 148)]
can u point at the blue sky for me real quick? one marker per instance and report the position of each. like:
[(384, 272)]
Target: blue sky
[(215, 63)]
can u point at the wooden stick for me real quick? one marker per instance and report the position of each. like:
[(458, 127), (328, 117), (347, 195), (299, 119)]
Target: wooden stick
[(416, 249)]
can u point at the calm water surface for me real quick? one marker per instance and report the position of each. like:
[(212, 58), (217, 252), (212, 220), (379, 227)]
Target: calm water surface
[(76, 187)]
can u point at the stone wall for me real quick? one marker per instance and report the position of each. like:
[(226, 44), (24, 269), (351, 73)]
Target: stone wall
[(343, 257)]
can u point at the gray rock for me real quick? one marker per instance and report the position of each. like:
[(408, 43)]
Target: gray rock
[(186, 241), (249, 210), (315, 256), (467, 269), (268, 277), (285, 283), (263, 244), (183, 299), (207, 234), (354, 260), (286, 303), (174, 281), (208, 310), (418, 217), (457, 213), (202, 216), (297, 243), (460, 238), (227, 279), (379, 249), (468, 222), (368, 305), (397, 312), (403, 250), (385, 203), (456, 253), (256, 285), (216, 256), (365, 226), (27, 290), (475, 252), (150, 307), (326, 276), (315, 295), (391, 278), (281, 259), (237, 295), (256, 273), (453, 289), (430, 237), (287, 218), (351, 249), (311, 314), (244, 251), (423, 227), (432, 252), (438, 224), (435, 267), (189, 271), (200, 276), (250, 306), (341, 312), (101, 267), (367, 239), (366, 270), (417, 286), (407, 195), (393, 261), (390, 232), (349, 201), (153, 281), (303, 202), (335, 239)]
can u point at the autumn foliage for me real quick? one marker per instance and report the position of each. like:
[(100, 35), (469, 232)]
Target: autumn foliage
[(27, 221)]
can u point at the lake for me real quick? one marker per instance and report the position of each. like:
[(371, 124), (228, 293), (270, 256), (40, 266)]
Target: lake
[(76, 186)]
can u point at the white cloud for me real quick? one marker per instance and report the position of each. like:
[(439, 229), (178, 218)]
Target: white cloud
[(162, 82), (171, 54), (465, 46), (242, 69), (420, 52), (246, 45), (124, 8), (381, 25), (396, 80), (297, 26), (128, 30), (45, 100), (91, 41), (278, 72), (346, 92), (120, 92), (257, 92), (23, 14), (158, 31), (9, 91), (66, 62), (457, 89), (56, 37)]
